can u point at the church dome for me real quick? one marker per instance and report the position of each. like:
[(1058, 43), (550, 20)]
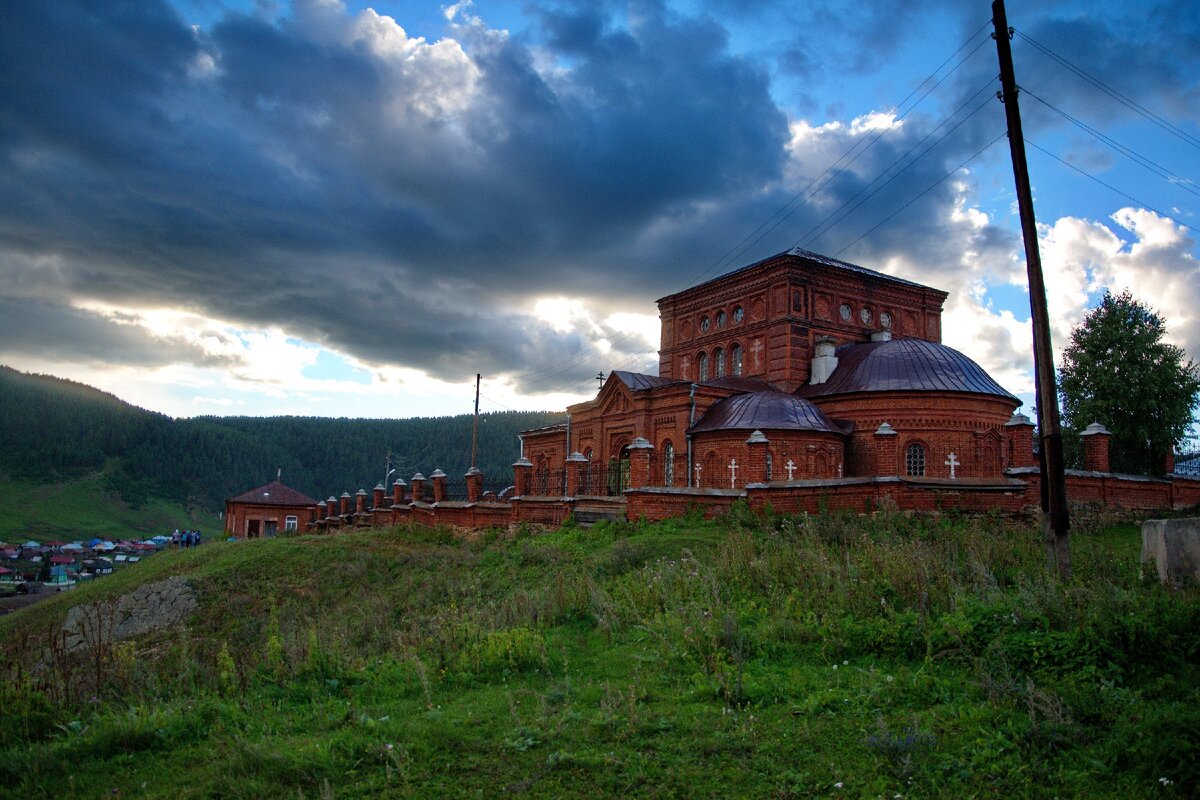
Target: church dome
[(765, 411), (904, 365)]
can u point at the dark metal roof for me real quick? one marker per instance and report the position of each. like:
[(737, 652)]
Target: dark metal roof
[(904, 365), (812, 258), (741, 384), (765, 411), (274, 494), (638, 382)]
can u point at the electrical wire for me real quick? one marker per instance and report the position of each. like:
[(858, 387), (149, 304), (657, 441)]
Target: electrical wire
[(1109, 186), (1174, 179), (807, 243), (1113, 93), (927, 190)]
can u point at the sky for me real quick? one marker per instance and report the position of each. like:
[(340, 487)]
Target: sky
[(338, 208)]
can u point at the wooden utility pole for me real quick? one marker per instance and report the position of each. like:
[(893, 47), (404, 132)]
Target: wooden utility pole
[(475, 424), (1056, 519)]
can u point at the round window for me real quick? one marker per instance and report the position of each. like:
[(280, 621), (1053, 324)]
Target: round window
[(720, 319), (738, 314), (865, 315), (704, 324), (846, 312), (885, 319)]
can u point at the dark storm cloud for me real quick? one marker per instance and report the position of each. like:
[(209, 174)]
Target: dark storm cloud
[(39, 328), (299, 176), (399, 201)]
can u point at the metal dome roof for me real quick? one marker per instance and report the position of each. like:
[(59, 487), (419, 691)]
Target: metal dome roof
[(904, 365), (765, 411)]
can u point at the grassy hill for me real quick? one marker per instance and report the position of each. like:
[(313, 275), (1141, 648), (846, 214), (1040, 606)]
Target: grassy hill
[(831, 656), (83, 508)]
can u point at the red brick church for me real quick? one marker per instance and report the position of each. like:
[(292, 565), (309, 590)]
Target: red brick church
[(799, 367), (801, 383)]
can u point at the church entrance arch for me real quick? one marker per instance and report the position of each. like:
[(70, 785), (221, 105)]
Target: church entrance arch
[(618, 472)]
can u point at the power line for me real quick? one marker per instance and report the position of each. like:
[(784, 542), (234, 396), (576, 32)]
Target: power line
[(927, 190), (1112, 188), (1114, 94), (810, 241), (787, 209), (1163, 172)]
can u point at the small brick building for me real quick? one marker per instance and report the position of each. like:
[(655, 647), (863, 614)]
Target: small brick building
[(268, 510), (799, 367)]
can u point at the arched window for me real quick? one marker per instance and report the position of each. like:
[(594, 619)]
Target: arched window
[(719, 362), (702, 367), (668, 451), (914, 460), (735, 355), (770, 465)]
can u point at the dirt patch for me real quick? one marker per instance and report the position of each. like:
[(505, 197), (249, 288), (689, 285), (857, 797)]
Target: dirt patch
[(152, 607)]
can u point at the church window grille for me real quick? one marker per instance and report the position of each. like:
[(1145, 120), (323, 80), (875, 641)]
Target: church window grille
[(770, 464), (702, 367), (668, 464), (914, 460), (735, 355), (719, 362)]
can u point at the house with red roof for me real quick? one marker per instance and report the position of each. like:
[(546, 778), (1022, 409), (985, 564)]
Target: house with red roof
[(268, 510)]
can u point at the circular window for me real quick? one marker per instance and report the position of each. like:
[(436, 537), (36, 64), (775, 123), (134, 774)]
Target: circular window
[(865, 315), (738, 314), (885, 319), (720, 319), (846, 312), (704, 324)]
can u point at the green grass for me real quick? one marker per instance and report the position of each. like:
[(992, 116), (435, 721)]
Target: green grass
[(834, 656), (83, 509)]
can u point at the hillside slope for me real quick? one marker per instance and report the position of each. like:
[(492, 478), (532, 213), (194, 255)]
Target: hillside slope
[(54, 430), (828, 656)]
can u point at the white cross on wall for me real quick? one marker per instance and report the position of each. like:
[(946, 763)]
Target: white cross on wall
[(952, 462), (733, 466), (697, 468), (790, 467)]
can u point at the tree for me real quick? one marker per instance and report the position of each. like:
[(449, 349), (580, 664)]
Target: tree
[(1119, 372)]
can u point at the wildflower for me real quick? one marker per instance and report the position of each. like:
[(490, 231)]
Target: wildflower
[(835, 666), (890, 679), (845, 663), (1165, 781), (837, 785), (387, 746)]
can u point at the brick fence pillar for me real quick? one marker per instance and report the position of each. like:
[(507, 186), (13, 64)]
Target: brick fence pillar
[(576, 464), (438, 478), (398, 492), (1095, 447), (377, 496), (641, 452), (418, 488), (331, 508), (322, 512), (1168, 462), (474, 485), (886, 461), (522, 474), (344, 504), (360, 501), (1018, 431), (756, 459)]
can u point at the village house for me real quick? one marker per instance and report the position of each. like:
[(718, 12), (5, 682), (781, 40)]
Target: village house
[(268, 510)]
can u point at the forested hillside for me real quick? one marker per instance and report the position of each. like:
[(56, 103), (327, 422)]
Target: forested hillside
[(53, 429)]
